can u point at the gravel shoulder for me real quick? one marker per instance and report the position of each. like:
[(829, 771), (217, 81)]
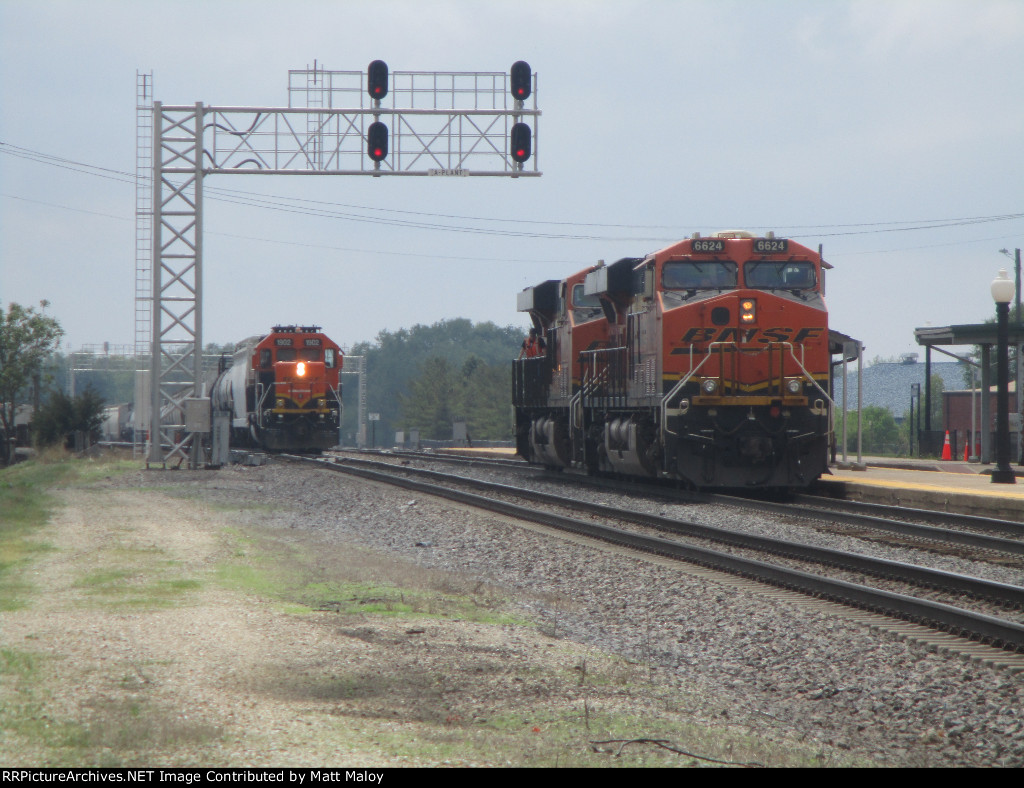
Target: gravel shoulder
[(275, 616)]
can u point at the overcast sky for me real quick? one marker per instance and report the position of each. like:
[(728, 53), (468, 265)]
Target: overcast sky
[(890, 132)]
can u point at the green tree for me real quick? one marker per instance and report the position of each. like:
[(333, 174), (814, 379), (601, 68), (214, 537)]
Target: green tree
[(396, 358), (880, 435), (431, 400), (486, 402), (62, 416), (27, 337), (478, 394)]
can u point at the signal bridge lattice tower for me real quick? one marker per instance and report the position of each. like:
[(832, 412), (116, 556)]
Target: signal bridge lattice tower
[(375, 123)]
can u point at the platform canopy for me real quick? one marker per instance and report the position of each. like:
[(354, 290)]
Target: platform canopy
[(969, 334), (983, 334)]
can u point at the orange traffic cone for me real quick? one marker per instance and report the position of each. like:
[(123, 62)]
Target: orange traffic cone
[(947, 452)]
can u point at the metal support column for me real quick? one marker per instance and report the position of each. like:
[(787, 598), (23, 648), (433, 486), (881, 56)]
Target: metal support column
[(176, 351)]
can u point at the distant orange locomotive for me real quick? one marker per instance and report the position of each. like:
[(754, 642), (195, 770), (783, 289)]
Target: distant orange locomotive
[(707, 361), (282, 390)]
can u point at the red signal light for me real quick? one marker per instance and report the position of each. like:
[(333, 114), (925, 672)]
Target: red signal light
[(520, 78), (521, 142), (377, 79), (377, 141)]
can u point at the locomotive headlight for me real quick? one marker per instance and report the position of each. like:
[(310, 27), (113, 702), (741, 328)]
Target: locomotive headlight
[(748, 310), (709, 386), (300, 369), (793, 386)]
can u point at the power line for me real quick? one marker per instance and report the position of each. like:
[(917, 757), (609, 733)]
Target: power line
[(331, 210)]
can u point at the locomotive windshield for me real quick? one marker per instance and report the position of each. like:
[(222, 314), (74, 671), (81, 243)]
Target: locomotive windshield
[(768, 275), (587, 307), (704, 275)]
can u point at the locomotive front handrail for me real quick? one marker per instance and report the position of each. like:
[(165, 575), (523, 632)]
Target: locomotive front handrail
[(663, 407)]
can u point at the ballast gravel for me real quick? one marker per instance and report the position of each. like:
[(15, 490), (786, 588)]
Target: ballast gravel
[(738, 656)]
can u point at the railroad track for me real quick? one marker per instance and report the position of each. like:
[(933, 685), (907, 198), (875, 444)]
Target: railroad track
[(973, 624), (963, 536)]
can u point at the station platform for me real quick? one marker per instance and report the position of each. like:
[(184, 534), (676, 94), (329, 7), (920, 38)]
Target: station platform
[(944, 485)]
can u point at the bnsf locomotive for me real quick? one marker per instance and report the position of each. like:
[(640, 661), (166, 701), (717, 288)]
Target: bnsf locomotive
[(707, 361), (282, 390)]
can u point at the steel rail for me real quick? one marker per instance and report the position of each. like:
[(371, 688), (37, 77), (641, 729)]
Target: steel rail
[(931, 533), (1002, 593), (990, 524), (1006, 634), (823, 510)]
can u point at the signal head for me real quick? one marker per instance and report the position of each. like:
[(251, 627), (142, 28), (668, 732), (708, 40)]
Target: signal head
[(520, 142), (377, 141), (377, 79), (520, 81)]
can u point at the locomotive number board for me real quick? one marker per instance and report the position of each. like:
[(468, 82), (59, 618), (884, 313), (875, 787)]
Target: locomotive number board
[(771, 246), (283, 342), (708, 245), (312, 343)]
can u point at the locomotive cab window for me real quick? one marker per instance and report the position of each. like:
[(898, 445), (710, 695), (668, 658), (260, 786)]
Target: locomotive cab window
[(769, 275), (703, 275), (309, 354), (265, 357), (329, 358), (286, 354), (587, 307)]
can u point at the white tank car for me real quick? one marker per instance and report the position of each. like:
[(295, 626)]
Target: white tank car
[(232, 389)]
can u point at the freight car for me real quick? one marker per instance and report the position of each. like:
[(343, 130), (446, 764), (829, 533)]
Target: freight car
[(282, 390), (707, 361)]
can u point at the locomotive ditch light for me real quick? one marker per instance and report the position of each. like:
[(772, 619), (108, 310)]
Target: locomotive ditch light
[(793, 386), (748, 310), (709, 386)]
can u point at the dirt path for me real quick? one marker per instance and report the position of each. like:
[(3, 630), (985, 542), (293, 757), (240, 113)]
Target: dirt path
[(137, 648)]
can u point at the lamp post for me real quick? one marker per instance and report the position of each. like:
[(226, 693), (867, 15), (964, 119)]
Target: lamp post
[(1002, 293), (915, 392), (1018, 353)]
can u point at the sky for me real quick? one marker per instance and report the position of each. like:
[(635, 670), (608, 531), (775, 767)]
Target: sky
[(891, 133)]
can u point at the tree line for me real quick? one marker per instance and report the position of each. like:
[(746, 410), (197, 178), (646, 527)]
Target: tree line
[(28, 340), (428, 377)]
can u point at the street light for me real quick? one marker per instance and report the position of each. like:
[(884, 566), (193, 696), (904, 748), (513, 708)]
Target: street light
[(1002, 293), (915, 392), (1019, 353)]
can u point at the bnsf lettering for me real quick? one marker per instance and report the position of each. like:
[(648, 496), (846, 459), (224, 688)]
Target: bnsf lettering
[(759, 335)]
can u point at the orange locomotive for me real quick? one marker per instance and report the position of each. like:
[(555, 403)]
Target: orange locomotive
[(707, 361), (282, 390)]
